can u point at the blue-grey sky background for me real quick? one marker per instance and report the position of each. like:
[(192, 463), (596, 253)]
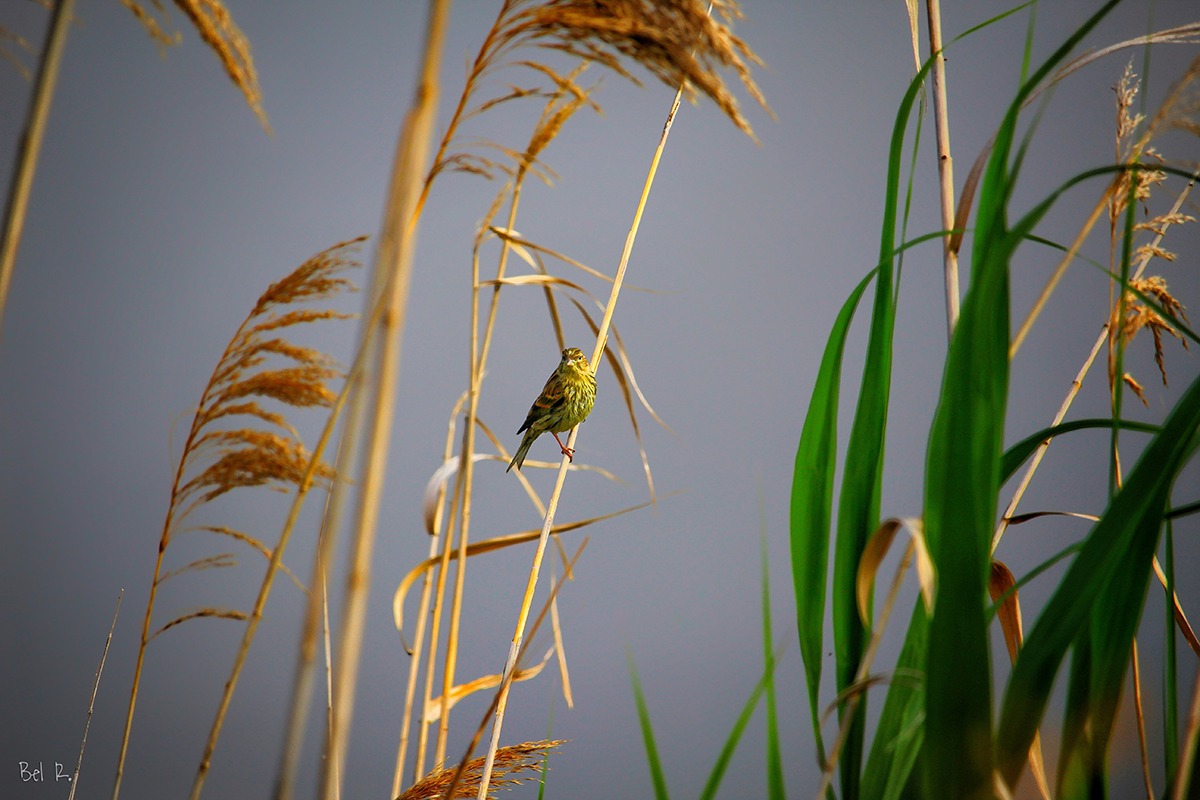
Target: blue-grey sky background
[(161, 210)]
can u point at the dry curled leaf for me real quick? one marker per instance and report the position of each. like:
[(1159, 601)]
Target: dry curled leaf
[(433, 710), (876, 549)]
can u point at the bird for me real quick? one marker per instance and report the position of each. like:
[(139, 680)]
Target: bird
[(565, 401)]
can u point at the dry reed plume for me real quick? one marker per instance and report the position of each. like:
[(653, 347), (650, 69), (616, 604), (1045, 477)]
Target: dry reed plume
[(1129, 314), (218, 30), (509, 761), (257, 365)]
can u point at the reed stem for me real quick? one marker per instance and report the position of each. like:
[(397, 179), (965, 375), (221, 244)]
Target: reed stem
[(30, 148), (395, 259)]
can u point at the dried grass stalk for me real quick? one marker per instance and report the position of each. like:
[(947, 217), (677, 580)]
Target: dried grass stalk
[(601, 342), (92, 703), (17, 201), (676, 40), (678, 43), (384, 327)]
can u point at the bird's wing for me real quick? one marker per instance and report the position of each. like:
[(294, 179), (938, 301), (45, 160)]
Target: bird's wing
[(552, 398)]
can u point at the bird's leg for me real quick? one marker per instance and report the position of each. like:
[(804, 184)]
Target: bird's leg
[(569, 452)]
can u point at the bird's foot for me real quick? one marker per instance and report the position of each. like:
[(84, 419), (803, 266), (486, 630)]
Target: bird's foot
[(569, 452)]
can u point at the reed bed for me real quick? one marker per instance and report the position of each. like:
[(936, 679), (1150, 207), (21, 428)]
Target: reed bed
[(241, 438), (937, 734)]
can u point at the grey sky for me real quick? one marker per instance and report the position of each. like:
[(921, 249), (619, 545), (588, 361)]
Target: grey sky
[(161, 211)]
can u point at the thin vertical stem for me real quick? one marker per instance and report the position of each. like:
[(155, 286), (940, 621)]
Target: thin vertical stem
[(1141, 722), (315, 608), (945, 163), (328, 664), (395, 259), (1183, 772), (410, 688), (17, 203), (1065, 406), (466, 463), (1170, 663), (435, 538), (92, 702), (439, 752)]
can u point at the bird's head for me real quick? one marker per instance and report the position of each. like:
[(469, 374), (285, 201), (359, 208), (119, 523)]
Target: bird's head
[(573, 357)]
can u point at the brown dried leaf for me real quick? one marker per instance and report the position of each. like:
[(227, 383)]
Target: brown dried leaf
[(1009, 614), (876, 549), (1181, 619)]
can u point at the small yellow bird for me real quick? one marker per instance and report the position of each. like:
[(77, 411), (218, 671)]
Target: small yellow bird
[(566, 400)]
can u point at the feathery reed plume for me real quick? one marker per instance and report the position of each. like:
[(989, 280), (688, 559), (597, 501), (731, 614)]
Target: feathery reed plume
[(216, 27), (220, 460), (1136, 317), (678, 41), (509, 761), (1125, 147)]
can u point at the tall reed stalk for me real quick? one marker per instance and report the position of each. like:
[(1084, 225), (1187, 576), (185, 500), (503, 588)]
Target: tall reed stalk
[(936, 734), (17, 202), (393, 260)]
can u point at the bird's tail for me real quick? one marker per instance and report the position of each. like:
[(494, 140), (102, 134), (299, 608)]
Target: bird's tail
[(519, 458)]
